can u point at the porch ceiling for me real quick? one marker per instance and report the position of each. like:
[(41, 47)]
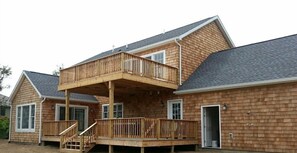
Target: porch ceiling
[(122, 87)]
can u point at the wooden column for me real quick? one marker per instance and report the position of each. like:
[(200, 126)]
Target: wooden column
[(67, 101), (111, 102), (111, 98)]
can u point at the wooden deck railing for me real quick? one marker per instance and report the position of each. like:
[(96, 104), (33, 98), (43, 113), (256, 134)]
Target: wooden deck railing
[(120, 62), (147, 128), (88, 137), (69, 135), (54, 128)]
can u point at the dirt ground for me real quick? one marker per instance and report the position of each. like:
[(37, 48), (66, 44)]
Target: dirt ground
[(6, 147), (12, 147)]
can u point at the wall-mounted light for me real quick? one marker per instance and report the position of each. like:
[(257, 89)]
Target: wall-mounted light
[(53, 107), (162, 103), (225, 107)]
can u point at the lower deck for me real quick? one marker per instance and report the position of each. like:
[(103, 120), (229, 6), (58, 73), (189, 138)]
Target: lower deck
[(130, 132)]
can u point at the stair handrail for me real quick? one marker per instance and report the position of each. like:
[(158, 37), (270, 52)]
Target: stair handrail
[(90, 133), (66, 135)]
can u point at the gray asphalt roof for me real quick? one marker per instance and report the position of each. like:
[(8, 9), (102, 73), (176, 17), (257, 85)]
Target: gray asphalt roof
[(47, 86), (268, 60), (151, 40)]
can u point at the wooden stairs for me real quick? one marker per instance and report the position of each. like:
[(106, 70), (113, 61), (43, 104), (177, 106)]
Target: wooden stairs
[(72, 142)]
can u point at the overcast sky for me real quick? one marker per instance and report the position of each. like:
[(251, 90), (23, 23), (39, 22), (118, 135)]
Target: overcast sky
[(38, 35)]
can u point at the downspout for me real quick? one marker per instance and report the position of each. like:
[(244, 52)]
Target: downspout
[(40, 120), (10, 115), (180, 60)]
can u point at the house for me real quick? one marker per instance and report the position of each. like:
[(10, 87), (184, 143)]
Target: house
[(139, 81), (36, 103), (4, 106)]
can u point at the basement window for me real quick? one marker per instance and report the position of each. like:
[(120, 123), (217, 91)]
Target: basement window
[(25, 118)]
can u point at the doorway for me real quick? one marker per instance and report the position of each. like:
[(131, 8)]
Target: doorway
[(211, 126), (78, 113)]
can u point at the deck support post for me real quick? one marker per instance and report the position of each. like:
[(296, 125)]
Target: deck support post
[(110, 149), (141, 149), (196, 147), (67, 101), (172, 149), (111, 102)]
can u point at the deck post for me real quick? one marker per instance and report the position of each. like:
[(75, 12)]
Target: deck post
[(172, 149), (141, 149), (110, 149), (111, 102), (67, 97), (122, 62)]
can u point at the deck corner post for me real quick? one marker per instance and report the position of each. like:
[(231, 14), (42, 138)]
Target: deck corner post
[(122, 61), (172, 129), (67, 101), (111, 102), (110, 149)]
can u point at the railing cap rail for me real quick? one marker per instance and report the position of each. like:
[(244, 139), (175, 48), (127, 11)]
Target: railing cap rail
[(87, 129), (68, 129), (122, 52)]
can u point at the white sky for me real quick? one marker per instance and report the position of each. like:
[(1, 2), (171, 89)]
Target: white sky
[(38, 35)]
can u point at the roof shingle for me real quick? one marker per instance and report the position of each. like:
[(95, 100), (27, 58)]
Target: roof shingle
[(47, 86)]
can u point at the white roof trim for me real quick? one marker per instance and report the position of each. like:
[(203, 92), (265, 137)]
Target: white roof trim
[(219, 23), (18, 85), (71, 99), (32, 84), (225, 33), (215, 18), (198, 27), (235, 86)]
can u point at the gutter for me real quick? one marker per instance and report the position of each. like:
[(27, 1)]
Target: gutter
[(236, 86), (180, 60), (10, 115), (40, 120)]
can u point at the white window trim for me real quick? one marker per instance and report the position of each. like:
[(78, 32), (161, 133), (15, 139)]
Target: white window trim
[(103, 105), (57, 115), (16, 118), (169, 111), (151, 54)]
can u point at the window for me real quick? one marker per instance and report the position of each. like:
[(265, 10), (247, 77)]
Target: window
[(117, 110), (158, 57), (25, 119), (175, 109)]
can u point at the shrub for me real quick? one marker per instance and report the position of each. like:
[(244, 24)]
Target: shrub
[(4, 127)]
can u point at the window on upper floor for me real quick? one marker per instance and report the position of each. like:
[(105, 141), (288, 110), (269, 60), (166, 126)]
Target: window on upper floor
[(157, 56), (25, 119)]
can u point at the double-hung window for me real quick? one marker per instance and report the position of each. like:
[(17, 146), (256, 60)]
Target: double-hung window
[(25, 118), (117, 110)]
